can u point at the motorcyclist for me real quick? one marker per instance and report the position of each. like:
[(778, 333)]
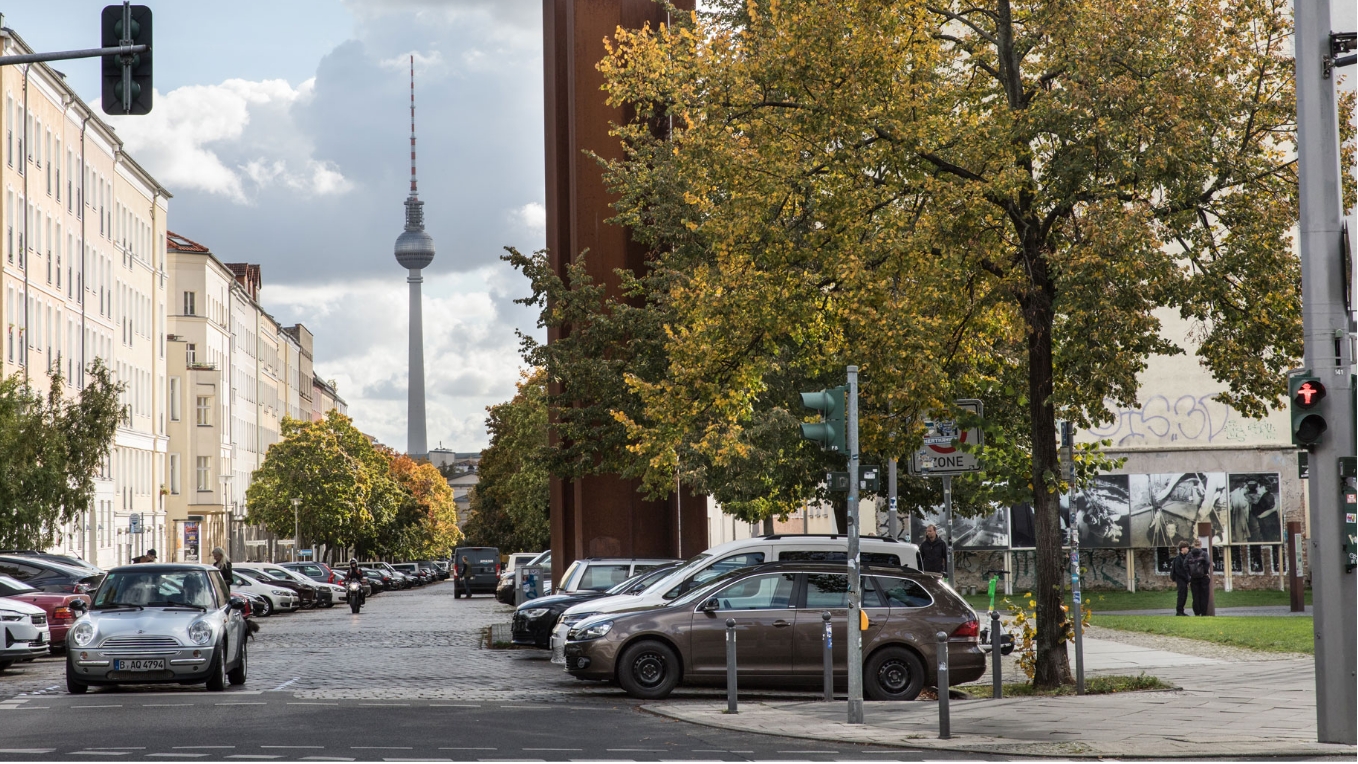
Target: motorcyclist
[(355, 573)]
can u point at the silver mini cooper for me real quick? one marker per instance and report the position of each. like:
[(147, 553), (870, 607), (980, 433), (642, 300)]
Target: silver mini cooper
[(159, 623)]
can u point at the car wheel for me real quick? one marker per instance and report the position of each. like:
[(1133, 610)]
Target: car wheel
[(893, 673), (267, 609), (216, 674), (237, 674), (648, 670), (73, 685), (5, 664)]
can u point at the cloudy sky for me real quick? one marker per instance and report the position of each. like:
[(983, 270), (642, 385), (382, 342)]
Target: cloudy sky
[(282, 130)]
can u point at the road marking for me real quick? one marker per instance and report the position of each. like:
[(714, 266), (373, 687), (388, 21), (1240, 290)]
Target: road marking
[(118, 748), (293, 746), (27, 750), (100, 753), (191, 747), (252, 756), (469, 749), (637, 750), (164, 705), (305, 703), (176, 755), (806, 751), (23, 708), (379, 748), (115, 705), (285, 684), (326, 758), (535, 708), (553, 749), (252, 703), (384, 704), (416, 759), (454, 705)]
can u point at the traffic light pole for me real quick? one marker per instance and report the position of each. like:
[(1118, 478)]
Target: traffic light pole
[(1329, 356), (853, 630), (63, 55)]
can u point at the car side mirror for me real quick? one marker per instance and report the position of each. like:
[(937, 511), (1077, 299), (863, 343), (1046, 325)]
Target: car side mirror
[(710, 606), (79, 606), (236, 603)]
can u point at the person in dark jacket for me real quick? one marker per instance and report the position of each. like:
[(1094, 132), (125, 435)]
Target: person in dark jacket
[(1178, 573), (1200, 577), (221, 562), (933, 552), (464, 572)]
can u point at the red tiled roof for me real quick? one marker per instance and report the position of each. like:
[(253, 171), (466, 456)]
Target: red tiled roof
[(183, 244)]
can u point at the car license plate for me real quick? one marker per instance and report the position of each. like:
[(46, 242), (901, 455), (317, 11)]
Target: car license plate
[(139, 664)]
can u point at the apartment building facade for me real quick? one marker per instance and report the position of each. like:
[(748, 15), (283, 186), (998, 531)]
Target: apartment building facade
[(84, 278)]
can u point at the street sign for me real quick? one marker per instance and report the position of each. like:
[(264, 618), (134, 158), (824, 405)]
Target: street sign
[(134, 523), (940, 455)]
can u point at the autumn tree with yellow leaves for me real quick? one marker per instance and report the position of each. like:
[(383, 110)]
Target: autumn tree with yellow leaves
[(986, 198)]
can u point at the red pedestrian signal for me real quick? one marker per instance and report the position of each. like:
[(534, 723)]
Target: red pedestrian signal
[(1309, 393)]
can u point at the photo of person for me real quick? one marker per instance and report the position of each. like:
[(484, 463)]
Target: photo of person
[(1102, 513), (1255, 508), (985, 532), (1167, 507), (921, 519)]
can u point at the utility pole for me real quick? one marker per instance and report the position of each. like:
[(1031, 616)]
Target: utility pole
[(1329, 356), (893, 518), (295, 528), (854, 630)]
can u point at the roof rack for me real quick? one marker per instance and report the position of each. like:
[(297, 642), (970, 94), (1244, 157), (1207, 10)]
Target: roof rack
[(775, 536)]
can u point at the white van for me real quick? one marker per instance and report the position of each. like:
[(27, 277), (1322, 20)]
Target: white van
[(873, 550)]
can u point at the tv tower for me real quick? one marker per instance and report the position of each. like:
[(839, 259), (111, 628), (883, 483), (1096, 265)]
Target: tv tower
[(415, 251)]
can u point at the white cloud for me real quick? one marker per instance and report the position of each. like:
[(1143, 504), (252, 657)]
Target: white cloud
[(233, 140), (532, 216)]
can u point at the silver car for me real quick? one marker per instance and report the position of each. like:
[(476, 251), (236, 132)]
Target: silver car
[(159, 623)]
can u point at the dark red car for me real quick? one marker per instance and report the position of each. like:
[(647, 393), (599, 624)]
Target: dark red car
[(57, 605)]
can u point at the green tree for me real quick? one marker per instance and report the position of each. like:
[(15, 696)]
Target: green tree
[(510, 503), (994, 199), (429, 521), (51, 448)]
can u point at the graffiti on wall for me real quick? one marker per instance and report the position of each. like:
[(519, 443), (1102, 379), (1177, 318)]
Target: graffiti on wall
[(1197, 419)]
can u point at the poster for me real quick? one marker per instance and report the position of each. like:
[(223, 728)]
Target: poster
[(1255, 504), (1166, 507), (921, 520), (191, 541), (1102, 513), (984, 532)]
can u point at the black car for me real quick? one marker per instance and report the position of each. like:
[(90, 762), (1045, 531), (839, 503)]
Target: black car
[(483, 570), (534, 619), (417, 575), (46, 575), (379, 579)]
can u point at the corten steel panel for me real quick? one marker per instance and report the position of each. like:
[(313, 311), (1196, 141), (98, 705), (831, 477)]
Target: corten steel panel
[(601, 515)]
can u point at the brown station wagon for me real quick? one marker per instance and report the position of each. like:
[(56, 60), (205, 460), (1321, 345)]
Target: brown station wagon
[(777, 609)]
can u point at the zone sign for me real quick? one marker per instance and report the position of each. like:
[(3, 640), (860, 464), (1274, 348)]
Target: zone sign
[(939, 455)]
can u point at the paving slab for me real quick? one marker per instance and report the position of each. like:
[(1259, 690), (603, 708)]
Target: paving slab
[(1220, 709)]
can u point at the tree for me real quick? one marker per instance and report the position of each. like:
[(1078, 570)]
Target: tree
[(430, 519), (989, 198), (510, 503), (53, 447)]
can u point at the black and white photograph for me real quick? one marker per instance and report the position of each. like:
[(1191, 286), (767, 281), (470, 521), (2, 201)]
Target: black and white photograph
[(1102, 512), (984, 532), (1255, 508), (1022, 527), (921, 519), (1167, 507)]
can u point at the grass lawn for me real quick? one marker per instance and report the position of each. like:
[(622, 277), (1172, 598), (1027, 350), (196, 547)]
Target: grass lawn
[(1147, 600), (1268, 633), (1098, 685)]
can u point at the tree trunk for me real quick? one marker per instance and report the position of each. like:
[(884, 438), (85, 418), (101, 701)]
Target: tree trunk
[(1053, 668)]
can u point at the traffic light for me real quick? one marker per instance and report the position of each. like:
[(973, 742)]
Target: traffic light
[(1307, 394), (829, 431), (132, 72)]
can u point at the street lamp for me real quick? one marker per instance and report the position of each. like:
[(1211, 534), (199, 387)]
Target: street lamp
[(295, 504)]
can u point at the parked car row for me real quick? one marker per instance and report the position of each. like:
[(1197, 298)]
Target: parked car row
[(666, 626)]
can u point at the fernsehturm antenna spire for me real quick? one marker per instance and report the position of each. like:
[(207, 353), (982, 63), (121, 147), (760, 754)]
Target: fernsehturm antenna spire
[(415, 251)]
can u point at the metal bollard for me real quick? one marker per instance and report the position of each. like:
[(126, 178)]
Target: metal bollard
[(731, 666), (829, 658), (944, 721), (995, 644)]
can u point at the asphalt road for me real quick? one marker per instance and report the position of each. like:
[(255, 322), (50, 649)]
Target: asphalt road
[(408, 679)]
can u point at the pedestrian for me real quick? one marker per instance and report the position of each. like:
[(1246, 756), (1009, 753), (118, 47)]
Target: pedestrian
[(933, 552), (150, 556), (223, 563), (1200, 577), (1179, 574), (464, 572)]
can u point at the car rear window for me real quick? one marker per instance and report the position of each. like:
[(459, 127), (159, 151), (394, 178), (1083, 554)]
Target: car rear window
[(881, 559), (598, 578), (902, 592)]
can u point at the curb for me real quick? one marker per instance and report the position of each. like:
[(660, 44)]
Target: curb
[(839, 732)]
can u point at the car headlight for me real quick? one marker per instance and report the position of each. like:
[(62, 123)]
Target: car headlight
[(536, 613), (82, 634), (593, 631), (200, 633), (10, 615), (571, 619), (280, 592)]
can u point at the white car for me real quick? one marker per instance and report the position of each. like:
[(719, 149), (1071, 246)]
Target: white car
[(288, 574), (885, 552), (27, 634), (277, 598)]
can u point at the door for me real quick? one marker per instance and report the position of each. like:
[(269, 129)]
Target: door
[(762, 607), (830, 592)]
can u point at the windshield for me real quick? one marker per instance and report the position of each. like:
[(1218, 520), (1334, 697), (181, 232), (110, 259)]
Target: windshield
[(641, 581), (9, 586), (708, 587), (283, 574), (177, 588), (258, 575)]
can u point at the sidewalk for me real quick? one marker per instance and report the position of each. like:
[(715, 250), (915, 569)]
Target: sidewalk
[(1223, 709)]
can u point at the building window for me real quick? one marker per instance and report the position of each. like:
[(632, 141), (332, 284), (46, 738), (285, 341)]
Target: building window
[(189, 307), (174, 473), (174, 399), (204, 473), (204, 410), (190, 353)]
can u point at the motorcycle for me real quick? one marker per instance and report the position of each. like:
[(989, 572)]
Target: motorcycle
[(354, 594)]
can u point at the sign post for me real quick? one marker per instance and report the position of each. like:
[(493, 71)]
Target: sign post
[(941, 457)]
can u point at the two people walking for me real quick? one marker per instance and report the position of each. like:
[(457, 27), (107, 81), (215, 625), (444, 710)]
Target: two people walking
[(1191, 570)]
